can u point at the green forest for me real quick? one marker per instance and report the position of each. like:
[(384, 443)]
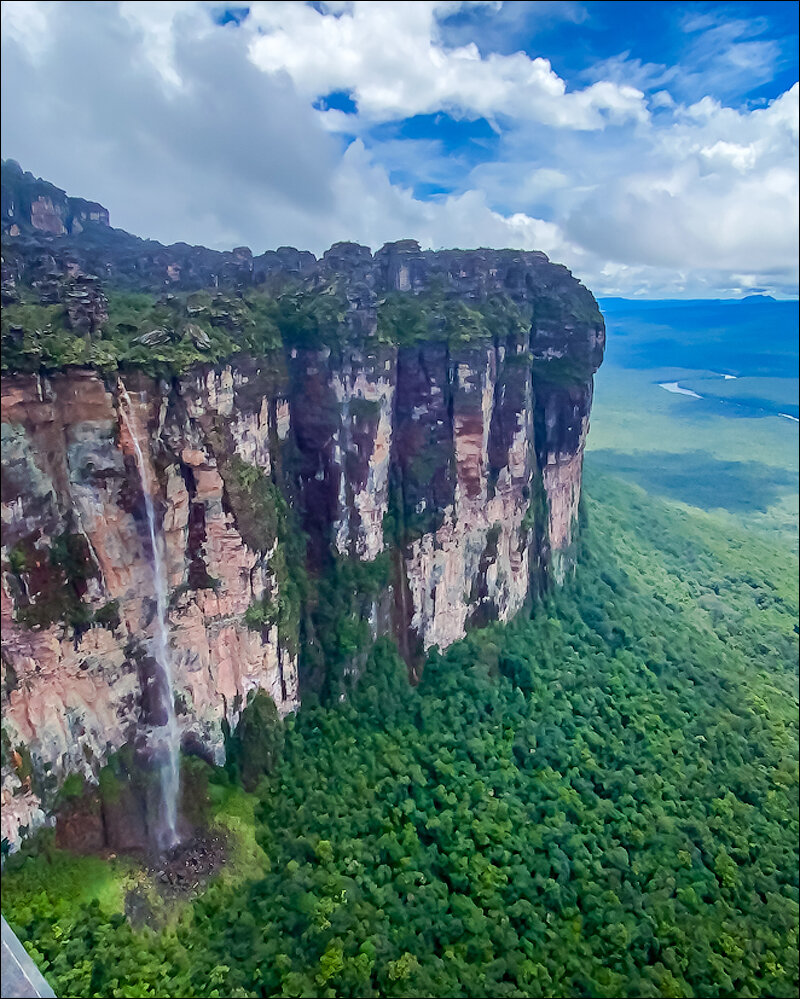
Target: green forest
[(168, 334), (598, 799)]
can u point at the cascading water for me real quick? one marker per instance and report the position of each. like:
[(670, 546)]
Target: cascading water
[(166, 737)]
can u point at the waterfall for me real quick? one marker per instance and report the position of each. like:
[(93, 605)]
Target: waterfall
[(166, 736)]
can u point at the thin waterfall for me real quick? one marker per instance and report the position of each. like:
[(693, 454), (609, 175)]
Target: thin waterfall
[(166, 736)]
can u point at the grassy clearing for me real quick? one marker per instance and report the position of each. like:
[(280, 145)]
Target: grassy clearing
[(66, 878)]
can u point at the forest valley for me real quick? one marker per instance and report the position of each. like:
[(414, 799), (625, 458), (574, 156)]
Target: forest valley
[(599, 798)]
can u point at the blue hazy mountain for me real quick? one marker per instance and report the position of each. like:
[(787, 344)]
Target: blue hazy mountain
[(698, 401), (754, 336)]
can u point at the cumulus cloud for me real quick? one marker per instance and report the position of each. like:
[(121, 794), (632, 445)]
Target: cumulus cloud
[(383, 211), (168, 123), (716, 191), (389, 56), (190, 130)]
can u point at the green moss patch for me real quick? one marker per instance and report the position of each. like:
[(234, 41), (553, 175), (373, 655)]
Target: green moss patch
[(440, 314)]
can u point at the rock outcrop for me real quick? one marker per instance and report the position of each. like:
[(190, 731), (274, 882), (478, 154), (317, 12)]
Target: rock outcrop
[(31, 203), (427, 423)]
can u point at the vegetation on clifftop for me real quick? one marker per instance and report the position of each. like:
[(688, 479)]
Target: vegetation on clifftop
[(441, 315), (168, 334), (157, 335)]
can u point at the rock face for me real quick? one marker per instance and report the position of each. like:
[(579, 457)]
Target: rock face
[(28, 202), (76, 672), (455, 458)]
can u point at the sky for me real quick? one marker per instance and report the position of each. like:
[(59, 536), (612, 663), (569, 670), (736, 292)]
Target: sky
[(650, 147)]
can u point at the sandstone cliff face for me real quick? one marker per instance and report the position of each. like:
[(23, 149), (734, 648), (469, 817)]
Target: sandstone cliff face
[(78, 688), (28, 202), (458, 456)]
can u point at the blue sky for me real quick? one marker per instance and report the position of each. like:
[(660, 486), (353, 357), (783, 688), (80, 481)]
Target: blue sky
[(652, 147), (579, 38)]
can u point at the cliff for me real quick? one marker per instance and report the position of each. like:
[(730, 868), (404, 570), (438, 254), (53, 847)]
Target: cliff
[(29, 203), (364, 444)]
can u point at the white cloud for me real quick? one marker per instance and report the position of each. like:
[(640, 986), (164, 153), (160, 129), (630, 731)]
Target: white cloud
[(715, 190), (226, 156), (25, 21), (726, 56), (722, 55), (372, 210), (742, 158), (190, 131), (506, 27), (390, 57), (153, 21)]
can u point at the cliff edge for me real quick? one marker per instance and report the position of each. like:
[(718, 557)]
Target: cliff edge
[(336, 449)]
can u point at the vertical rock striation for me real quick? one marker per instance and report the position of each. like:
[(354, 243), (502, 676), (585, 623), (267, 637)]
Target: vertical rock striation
[(425, 409), (77, 596)]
